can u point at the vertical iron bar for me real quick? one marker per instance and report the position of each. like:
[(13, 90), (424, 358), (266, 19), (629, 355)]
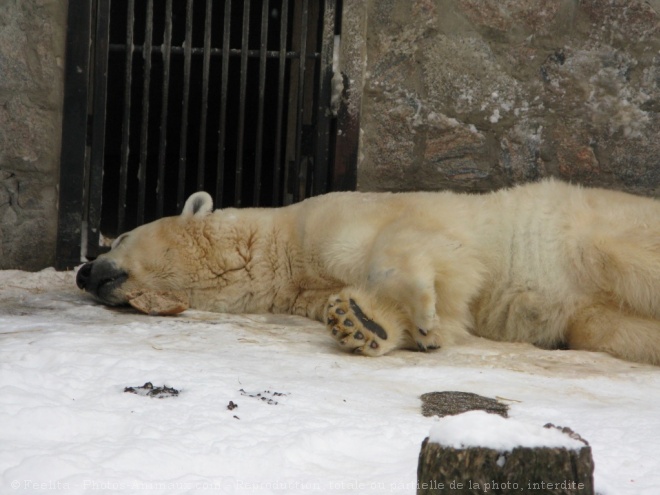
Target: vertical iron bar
[(144, 131), (223, 105), (162, 143), (241, 103), (183, 149), (126, 124), (258, 165), (97, 148), (323, 114), (300, 98), (201, 154), (310, 99), (277, 166), (74, 125)]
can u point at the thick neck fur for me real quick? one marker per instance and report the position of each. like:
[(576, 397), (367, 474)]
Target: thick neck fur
[(247, 261)]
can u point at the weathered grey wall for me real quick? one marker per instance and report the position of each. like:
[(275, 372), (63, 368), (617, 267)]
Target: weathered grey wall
[(32, 36), (461, 94), (479, 94)]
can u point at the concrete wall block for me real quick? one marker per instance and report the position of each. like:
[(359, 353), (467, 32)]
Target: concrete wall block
[(29, 136), (32, 36)]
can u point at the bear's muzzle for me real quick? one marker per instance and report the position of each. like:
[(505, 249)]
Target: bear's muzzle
[(102, 278)]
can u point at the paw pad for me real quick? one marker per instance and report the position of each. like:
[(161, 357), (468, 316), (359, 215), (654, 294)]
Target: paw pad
[(368, 322), (353, 329)]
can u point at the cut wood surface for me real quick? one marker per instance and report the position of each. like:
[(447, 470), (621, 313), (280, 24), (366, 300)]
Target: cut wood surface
[(444, 469)]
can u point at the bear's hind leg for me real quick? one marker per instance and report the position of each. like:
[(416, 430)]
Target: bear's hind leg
[(607, 329), (364, 325), (627, 265)]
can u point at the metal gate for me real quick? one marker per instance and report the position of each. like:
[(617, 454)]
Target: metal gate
[(177, 96)]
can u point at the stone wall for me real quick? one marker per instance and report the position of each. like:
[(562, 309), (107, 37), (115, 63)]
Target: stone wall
[(32, 36), (462, 94), (478, 94)]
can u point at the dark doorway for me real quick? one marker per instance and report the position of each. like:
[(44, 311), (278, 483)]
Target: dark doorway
[(231, 97)]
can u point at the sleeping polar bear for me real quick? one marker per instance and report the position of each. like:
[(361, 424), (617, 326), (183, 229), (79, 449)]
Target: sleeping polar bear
[(546, 263)]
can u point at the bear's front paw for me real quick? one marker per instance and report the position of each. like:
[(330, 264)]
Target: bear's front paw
[(354, 330), (446, 332), (426, 341)]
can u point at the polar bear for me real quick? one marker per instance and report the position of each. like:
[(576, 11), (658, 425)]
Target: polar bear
[(547, 263)]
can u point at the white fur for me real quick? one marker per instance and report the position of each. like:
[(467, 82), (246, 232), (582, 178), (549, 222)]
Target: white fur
[(199, 203), (546, 263)]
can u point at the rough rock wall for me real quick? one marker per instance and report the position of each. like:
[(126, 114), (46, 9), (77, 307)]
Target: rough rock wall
[(32, 35), (479, 94)]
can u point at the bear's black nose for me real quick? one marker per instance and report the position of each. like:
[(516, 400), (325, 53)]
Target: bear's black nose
[(101, 278), (82, 279)]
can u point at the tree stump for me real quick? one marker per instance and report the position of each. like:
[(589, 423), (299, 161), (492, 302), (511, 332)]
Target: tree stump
[(511, 459)]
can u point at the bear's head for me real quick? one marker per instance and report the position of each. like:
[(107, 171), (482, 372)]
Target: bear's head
[(161, 256)]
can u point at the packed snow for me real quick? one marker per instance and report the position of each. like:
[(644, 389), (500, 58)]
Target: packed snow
[(268, 404), (481, 429)]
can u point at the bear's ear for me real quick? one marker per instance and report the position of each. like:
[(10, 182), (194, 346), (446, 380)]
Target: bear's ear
[(198, 204)]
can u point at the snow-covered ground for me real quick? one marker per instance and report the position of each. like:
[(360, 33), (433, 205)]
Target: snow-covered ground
[(325, 422)]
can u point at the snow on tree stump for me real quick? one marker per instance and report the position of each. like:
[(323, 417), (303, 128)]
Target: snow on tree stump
[(478, 453)]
